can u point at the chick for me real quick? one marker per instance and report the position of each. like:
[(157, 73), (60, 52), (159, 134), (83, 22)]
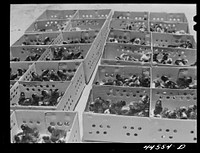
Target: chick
[(36, 98), (158, 108), (54, 96), (21, 98), (35, 77)]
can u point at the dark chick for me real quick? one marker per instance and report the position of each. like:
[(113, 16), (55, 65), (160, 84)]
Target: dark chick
[(158, 107), (54, 96)]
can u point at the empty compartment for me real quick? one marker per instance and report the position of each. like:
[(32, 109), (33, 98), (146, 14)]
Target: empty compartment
[(56, 14), (174, 77), (163, 56), (44, 127), (174, 104), (126, 54), (129, 76)]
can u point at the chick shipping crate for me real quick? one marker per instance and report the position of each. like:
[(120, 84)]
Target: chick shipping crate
[(67, 77), (123, 127), (39, 126), (136, 21), (126, 54)]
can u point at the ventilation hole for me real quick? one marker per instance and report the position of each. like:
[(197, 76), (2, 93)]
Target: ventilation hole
[(31, 122), (195, 138), (97, 132), (167, 130), (33, 89), (101, 126), (108, 126), (90, 132), (93, 125), (162, 136), (66, 123), (104, 132), (27, 89), (140, 128), (24, 121), (175, 131), (124, 127), (134, 95), (167, 97), (170, 137), (191, 131), (59, 123), (39, 90), (128, 134), (159, 130), (52, 123)]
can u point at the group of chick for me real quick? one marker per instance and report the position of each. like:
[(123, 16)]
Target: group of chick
[(46, 98), (32, 135), (135, 108)]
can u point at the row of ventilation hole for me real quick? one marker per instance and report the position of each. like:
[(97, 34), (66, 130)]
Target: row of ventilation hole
[(136, 18), (170, 19), (139, 129), (91, 16), (75, 137), (55, 16), (169, 25), (134, 25), (32, 49), (125, 37)]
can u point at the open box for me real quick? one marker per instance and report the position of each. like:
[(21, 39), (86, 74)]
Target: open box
[(125, 36), (176, 55), (172, 40), (86, 24), (173, 73), (22, 52), (73, 89), (172, 99), (125, 23), (22, 65), (169, 27), (114, 50), (57, 14), (99, 13), (142, 16), (133, 129), (41, 119), (74, 48), (107, 73), (36, 38), (47, 26)]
